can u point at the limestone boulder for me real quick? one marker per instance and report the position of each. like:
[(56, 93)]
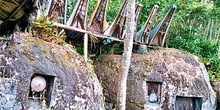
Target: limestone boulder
[(71, 83), (164, 79), (216, 87)]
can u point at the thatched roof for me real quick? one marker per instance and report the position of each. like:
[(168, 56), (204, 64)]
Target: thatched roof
[(12, 12), (11, 9)]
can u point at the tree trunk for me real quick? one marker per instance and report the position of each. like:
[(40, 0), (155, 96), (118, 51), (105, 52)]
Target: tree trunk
[(126, 57)]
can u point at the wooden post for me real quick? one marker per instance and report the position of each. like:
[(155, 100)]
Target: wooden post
[(85, 44), (85, 48), (130, 27)]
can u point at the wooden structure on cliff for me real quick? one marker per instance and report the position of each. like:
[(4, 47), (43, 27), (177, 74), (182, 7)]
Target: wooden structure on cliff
[(77, 26), (96, 25)]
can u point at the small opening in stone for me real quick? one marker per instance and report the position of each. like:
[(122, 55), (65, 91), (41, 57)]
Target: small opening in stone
[(40, 97), (188, 103), (153, 92), (5, 71)]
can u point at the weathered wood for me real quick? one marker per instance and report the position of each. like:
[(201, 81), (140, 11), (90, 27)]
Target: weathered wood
[(85, 49), (66, 27), (137, 12), (85, 31), (58, 8), (118, 26), (48, 7), (143, 34), (158, 34), (97, 22), (78, 17)]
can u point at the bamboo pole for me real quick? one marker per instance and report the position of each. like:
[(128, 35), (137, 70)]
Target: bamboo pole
[(85, 45)]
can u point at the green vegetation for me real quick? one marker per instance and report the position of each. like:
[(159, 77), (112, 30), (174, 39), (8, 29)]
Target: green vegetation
[(195, 27), (44, 29)]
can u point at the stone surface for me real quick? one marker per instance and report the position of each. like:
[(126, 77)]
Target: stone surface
[(73, 83), (8, 93), (179, 73), (216, 87)]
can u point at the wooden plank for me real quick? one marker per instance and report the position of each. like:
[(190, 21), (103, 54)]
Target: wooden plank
[(117, 28), (85, 31), (95, 34)]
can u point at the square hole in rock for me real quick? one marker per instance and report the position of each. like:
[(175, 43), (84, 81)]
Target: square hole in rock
[(188, 103), (40, 91), (153, 92)]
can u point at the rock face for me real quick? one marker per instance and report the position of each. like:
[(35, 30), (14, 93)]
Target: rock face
[(165, 79), (70, 82), (216, 86)]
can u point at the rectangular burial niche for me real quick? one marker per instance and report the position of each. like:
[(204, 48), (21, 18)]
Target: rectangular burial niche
[(153, 93), (40, 93), (5, 71), (188, 103)]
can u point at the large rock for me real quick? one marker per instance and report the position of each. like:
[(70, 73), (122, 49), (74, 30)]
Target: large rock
[(71, 82), (216, 87), (164, 79)]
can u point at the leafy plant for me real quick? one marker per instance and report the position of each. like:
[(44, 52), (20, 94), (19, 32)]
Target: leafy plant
[(44, 29), (206, 50)]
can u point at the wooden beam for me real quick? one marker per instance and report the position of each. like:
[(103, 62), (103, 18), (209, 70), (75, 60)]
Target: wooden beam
[(85, 31), (15, 2), (97, 34)]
